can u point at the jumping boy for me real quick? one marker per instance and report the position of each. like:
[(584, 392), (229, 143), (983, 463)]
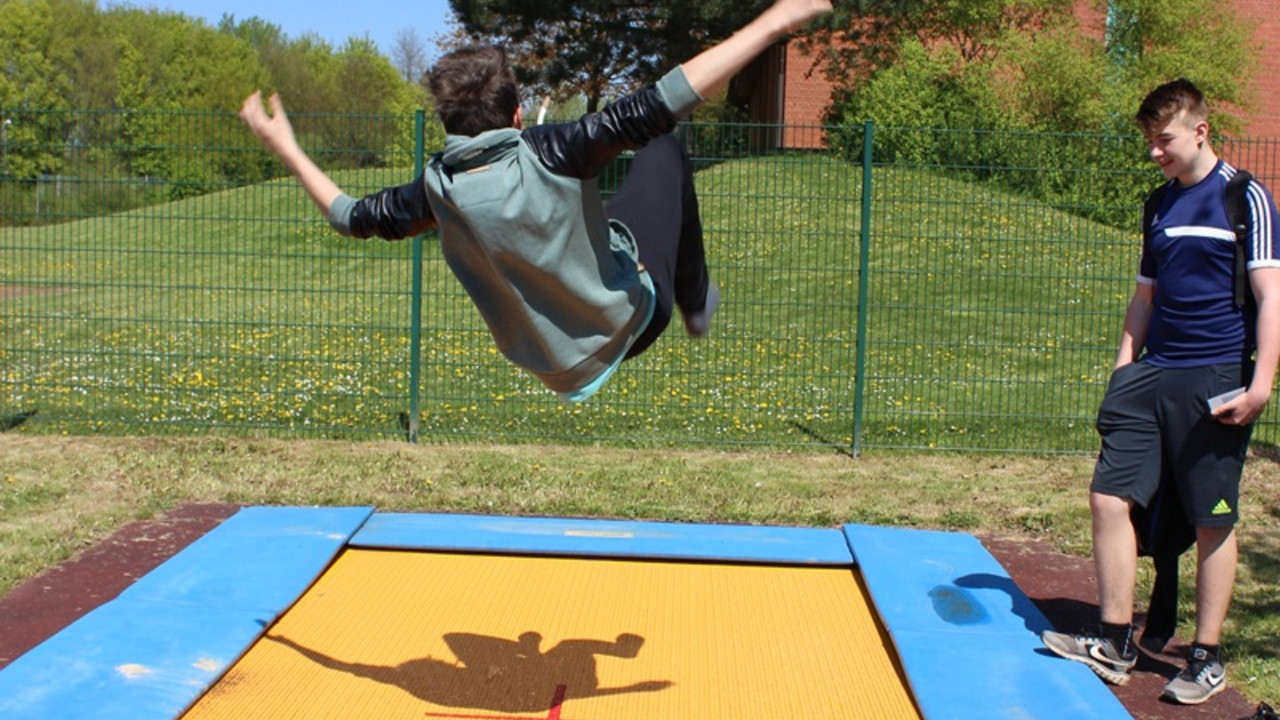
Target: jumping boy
[(568, 287), (1186, 339)]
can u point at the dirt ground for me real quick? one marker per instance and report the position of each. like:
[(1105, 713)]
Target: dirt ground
[(1061, 586)]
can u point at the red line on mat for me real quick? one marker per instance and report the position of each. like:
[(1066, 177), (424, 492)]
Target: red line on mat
[(556, 701)]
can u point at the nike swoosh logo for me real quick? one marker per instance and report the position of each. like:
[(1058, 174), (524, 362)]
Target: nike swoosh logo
[(1095, 652)]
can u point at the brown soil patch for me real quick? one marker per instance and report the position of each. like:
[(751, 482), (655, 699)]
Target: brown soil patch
[(1062, 587), (47, 603)]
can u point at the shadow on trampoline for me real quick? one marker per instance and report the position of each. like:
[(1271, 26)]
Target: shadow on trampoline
[(497, 674)]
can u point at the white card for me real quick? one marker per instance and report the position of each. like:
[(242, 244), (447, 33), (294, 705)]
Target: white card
[(1218, 401)]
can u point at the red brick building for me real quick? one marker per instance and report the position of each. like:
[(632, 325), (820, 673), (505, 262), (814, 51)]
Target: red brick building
[(787, 91), (1263, 120), (784, 88), (1262, 16)]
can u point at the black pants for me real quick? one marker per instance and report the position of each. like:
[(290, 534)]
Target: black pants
[(658, 204)]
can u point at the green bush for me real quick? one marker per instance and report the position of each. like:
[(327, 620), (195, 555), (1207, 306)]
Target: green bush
[(973, 122), (906, 102)]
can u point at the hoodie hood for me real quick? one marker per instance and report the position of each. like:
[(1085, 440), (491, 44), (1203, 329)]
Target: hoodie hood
[(463, 152)]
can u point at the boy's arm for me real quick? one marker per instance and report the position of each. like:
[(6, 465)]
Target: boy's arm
[(1137, 319), (393, 213), (584, 148), (1245, 409), (1264, 280), (276, 133), (714, 67)]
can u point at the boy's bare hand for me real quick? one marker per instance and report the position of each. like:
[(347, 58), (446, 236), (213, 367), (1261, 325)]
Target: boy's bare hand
[(1244, 409), (274, 130), (799, 13)]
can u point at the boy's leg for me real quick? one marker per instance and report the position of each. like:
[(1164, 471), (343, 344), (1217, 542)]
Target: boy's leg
[(1205, 674), (658, 204), (1216, 556), (1109, 651), (1128, 471), (1207, 469), (1115, 556)]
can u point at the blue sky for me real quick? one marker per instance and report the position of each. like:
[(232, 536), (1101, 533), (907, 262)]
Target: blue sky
[(333, 20)]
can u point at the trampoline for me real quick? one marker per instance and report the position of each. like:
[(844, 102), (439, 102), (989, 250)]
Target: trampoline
[(350, 613)]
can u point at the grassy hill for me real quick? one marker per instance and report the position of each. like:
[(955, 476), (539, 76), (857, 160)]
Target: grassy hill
[(991, 322)]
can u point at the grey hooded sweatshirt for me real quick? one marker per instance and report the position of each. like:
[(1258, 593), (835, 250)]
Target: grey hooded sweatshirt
[(523, 227)]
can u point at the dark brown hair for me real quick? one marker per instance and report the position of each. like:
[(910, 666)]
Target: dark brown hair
[(1167, 102), (475, 90)]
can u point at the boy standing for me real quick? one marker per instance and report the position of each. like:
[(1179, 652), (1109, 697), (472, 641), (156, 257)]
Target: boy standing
[(568, 287), (1185, 340)]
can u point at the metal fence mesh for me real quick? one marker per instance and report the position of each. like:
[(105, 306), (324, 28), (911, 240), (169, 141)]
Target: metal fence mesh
[(210, 297)]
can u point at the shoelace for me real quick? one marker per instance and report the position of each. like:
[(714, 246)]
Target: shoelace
[(1196, 670)]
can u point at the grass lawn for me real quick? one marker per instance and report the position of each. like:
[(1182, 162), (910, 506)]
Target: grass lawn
[(60, 494), (991, 323)]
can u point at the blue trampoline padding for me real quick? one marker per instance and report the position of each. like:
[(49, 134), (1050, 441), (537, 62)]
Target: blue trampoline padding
[(967, 636), (606, 538), (153, 650)]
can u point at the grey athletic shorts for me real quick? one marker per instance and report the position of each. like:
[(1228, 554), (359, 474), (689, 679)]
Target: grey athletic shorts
[(1155, 422)]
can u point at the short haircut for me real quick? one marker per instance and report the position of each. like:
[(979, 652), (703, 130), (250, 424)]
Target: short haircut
[(1167, 102), (475, 90)]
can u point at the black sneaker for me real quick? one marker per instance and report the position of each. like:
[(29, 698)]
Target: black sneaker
[(1204, 677), (1098, 653), (1264, 713)]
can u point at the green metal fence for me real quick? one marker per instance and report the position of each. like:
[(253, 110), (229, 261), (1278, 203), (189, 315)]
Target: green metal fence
[(888, 288)]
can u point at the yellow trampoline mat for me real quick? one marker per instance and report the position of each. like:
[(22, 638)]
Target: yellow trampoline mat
[(391, 634)]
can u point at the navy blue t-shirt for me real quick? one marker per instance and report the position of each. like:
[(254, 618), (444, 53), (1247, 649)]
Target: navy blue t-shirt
[(1190, 259)]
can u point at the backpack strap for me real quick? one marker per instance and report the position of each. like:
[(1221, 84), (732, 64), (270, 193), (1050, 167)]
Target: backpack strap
[(1150, 207), (1237, 203)]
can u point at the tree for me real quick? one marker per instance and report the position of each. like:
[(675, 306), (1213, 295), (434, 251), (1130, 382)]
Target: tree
[(1153, 41), (864, 36), (562, 48), (298, 69), (409, 55), (1026, 64), (599, 48), (372, 92), (33, 81), (91, 53)]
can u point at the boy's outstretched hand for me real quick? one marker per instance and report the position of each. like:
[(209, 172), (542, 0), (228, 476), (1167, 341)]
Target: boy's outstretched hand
[(801, 12), (276, 133), (273, 130), (711, 69)]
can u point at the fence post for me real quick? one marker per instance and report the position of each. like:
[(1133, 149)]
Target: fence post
[(864, 258), (415, 301)]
